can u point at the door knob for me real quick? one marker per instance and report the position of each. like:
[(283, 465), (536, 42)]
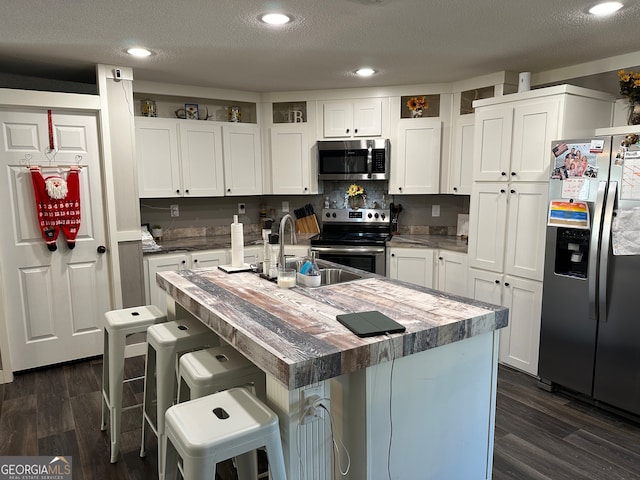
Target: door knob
[(101, 249)]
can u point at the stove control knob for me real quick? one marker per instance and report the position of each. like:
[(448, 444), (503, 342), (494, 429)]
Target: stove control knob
[(376, 215), (334, 215), (369, 215), (382, 215), (328, 214)]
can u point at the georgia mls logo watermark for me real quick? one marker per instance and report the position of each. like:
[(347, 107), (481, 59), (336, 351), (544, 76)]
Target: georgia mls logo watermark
[(35, 468)]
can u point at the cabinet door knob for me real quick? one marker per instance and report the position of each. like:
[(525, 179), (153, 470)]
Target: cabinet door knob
[(101, 249), (502, 190), (400, 188), (183, 262), (504, 174), (355, 130), (455, 189), (305, 189), (513, 174), (186, 191), (195, 260), (178, 192), (229, 190), (440, 258), (506, 284), (348, 130), (497, 282), (512, 191), (393, 254)]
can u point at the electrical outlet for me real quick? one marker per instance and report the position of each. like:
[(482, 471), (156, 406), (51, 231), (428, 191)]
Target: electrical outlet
[(174, 211), (285, 207), (308, 396), (242, 208), (435, 210)]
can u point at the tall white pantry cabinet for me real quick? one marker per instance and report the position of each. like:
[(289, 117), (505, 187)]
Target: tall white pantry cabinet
[(509, 200)]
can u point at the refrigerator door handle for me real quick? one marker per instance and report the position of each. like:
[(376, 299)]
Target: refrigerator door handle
[(604, 250), (593, 250)]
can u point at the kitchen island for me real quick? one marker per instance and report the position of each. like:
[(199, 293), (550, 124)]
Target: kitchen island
[(414, 405)]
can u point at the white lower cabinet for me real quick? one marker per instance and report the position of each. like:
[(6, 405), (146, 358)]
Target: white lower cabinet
[(413, 265), (519, 342), (440, 269), (176, 261), (452, 272)]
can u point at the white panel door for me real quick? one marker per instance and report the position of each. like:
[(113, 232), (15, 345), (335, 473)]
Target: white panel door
[(414, 265), (526, 230), (416, 166), (201, 161), (535, 126), (242, 159), (157, 158), (290, 159), (208, 258), (452, 272), (337, 119), (461, 168), (487, 225), (163, 263), (485, 286), (55, 301), (492, 144), (367, 118), (520, 341)]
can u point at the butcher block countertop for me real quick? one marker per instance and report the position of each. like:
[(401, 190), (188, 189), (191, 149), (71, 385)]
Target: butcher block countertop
[(293, 334)]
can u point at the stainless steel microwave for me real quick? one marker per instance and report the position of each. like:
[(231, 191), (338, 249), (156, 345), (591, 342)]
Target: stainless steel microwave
[(354, 159)]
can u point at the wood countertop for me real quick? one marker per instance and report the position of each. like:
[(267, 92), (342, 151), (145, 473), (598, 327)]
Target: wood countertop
[(293, 334)]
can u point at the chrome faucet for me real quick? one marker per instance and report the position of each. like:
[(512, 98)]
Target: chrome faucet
[(283, 223)]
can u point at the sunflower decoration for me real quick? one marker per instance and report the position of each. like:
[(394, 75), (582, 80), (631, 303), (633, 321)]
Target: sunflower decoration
[(417, 105), (355, 190), (630, 85)]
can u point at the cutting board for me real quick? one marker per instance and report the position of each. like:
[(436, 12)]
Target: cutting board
[(308, 224)]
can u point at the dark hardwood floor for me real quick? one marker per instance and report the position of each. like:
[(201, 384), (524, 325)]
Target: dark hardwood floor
[(539, 435)]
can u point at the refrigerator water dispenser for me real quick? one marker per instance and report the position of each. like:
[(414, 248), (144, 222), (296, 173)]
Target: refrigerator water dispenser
[(572, 252)]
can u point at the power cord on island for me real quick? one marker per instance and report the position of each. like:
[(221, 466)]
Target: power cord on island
[(393, 361), (311, 410)]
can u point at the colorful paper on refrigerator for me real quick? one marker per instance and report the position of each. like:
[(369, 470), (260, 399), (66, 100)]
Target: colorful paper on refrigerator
[(568, 214)]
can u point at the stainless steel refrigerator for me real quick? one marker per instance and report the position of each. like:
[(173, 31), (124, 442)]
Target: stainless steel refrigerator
[(590, 328)]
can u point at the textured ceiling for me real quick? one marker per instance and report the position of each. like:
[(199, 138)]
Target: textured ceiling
[(220, 43)]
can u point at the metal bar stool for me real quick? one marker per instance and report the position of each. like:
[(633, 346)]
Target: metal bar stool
[(203, 432), (219, 368), (214, 369), (118, 325), (166, 342)]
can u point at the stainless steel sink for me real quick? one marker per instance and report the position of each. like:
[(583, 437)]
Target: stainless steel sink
[(329, 273), (330, 276)]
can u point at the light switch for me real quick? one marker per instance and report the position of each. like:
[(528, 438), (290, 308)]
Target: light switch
[(285, 207), (435, 210)]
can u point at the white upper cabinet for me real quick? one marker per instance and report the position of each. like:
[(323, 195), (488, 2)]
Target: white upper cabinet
[(201, 159), (350, 119), (291, 160), (415, 159), (461, 167), (513, 142), (242, 159), (178, 158), (157, 158)]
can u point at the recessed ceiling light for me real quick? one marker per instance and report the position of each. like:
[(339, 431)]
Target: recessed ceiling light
[(139, 52), (365, 72), (275, 18), (606, 8)]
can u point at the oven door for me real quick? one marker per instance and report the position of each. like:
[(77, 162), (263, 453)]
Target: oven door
[(368, 258)]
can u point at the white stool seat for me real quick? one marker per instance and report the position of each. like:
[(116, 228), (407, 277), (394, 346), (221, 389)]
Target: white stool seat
[(166, 342), (214, 369), (118, 325), (203, 432)]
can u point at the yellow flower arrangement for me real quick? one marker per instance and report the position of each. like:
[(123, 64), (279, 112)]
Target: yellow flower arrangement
[(630, 85), (355, 190), (417, 103)]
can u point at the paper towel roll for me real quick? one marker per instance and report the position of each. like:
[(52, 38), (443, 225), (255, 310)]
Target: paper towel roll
[(237, 243), (524, 82)]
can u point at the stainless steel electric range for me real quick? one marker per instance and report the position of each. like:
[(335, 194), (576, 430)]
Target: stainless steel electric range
[(355, 238)]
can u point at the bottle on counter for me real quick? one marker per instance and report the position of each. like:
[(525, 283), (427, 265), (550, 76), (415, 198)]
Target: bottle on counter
[(266, 253), (274, 247)]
